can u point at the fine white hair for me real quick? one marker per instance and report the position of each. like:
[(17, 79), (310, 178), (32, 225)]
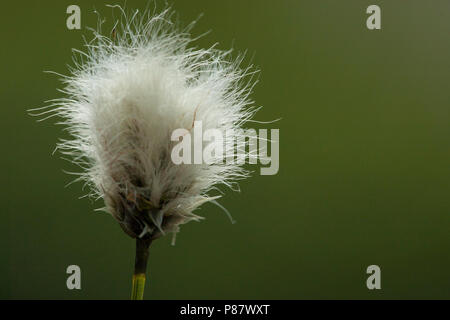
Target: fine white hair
[(126, 94)]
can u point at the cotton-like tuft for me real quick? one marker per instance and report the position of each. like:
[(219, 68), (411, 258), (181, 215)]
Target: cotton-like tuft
[(125, 96)]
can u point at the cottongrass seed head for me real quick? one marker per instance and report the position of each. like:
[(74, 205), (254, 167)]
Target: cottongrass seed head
[(125, 95)]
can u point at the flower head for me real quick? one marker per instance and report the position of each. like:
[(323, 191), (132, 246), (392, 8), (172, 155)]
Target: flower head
[(125, 96)]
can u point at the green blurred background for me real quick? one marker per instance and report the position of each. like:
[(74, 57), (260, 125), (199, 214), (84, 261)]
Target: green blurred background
[(364, 160)]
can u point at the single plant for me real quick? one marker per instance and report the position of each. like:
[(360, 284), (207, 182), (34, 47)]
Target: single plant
[(124, 97)]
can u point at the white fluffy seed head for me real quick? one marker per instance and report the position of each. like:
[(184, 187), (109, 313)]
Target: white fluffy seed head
[(125, 96)]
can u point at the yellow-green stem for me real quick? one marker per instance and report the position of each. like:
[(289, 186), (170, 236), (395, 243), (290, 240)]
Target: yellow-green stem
[(137, 291), (140, 266)]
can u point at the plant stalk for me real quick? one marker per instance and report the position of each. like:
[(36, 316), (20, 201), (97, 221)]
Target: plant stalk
[(140, 266)]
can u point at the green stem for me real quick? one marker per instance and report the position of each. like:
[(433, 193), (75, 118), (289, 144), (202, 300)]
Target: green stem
[(140, 266)]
